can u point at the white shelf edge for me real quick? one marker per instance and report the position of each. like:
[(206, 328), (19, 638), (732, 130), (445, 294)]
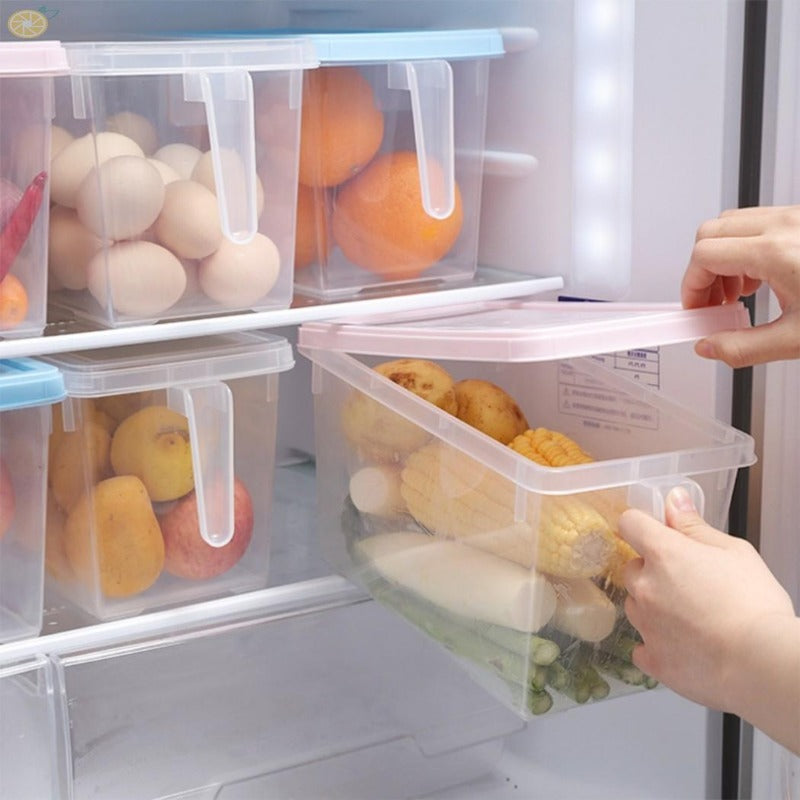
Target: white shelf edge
[(271, 603), (184, 329)]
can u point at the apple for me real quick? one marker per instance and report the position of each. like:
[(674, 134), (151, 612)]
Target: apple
[(188, 555), (7, 501)]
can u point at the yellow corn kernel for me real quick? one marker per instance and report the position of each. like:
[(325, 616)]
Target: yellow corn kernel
[(623, 553), (461, 499), (549, 448)]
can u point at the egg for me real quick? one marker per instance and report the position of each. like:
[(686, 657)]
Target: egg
[(70, 248), (80, 156), (192, 290), (30, 153), (233, 168), (121, 198), (139, 279), (239, 275), (135, 127), (181, 157), (189, 220), (59, 139), (168, 174)]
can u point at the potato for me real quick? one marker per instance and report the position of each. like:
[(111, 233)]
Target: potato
[(55, 554), (153, 444), (490, 409), (381, 434), (116, 522), (79, 460), (119, 406)]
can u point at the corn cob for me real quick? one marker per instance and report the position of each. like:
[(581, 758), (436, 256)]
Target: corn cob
[(611, 503), (555, 449), (549, 448), (457, 497)]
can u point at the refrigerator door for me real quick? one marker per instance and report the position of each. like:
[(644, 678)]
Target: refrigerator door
[(775, 771)]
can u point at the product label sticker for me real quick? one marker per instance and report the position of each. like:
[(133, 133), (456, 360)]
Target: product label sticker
[(601, 406)]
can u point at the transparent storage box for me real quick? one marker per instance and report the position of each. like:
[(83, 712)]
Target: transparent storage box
[(170, 197), (161, 466), (227, 703), (32, 758), (26, 111), (448, 490), (27, 390), (391, 157)]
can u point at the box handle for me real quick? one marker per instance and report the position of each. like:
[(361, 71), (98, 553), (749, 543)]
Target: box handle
[(430, 84), (650, 495), (209, 411), (230, 115)]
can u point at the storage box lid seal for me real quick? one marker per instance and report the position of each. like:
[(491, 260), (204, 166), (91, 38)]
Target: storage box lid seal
[(519, 331), (26, 382), (132, 368)]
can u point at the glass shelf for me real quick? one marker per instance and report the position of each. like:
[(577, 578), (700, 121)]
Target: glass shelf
[(69, 335)]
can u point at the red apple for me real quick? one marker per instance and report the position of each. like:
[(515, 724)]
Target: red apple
[(187, 554), (7, 502)]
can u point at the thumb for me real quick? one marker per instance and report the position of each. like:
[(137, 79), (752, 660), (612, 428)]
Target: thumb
[(773, 341), (681, 514)]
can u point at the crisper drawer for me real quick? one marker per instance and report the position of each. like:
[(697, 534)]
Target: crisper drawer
[(32, 756), (294, 706)]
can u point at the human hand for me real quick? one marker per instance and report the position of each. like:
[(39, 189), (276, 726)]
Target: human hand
[(704, 603), (732, 255)]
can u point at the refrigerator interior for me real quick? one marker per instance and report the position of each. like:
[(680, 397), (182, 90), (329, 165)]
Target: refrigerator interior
[(306, 689)]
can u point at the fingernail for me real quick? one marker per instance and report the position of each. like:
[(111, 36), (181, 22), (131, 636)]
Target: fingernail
[(681, 500), (705, 349)]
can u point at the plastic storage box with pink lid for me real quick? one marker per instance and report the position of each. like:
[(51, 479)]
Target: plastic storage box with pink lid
[(161, 465), (471, 469), (174, 179), (26, 111)]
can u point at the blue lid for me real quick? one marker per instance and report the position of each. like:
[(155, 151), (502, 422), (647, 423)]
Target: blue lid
[(383, 46), (26, 382)]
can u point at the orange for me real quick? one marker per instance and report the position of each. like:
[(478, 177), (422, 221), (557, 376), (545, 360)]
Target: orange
[(380, 224), (13, 302), (341, 127), (312, 227)]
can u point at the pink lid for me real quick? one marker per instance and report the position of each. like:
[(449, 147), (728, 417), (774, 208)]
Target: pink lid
[(514, 330), (32, 58)]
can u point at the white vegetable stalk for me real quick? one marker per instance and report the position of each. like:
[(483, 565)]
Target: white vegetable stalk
[(466, 581)]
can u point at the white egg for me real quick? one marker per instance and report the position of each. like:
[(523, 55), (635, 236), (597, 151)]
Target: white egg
[(59, 139), (233, 168), (136, 127), (137, 279), (70, 248), (168, 174), (181, 157), (189, 220), (192, 290), (121, 198), (30, 150), (239, 275), (80, 156)]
